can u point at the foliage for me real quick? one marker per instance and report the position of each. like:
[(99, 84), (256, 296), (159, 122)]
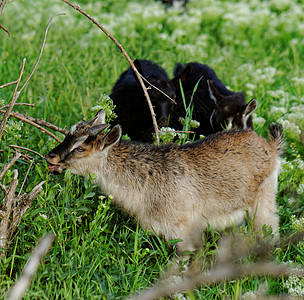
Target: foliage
[(99, 252)]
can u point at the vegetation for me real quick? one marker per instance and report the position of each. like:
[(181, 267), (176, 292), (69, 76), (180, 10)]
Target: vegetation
[(99, 252)]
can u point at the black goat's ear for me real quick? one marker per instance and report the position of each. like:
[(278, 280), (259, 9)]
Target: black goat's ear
[(182, 76), (112, 137), (214, 93)]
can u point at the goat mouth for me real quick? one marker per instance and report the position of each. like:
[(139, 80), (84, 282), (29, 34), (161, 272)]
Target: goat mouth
[(55, 169)]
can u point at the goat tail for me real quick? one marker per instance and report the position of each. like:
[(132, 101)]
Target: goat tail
[(277, 137)]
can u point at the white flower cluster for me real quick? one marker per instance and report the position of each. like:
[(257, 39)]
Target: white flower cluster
[(290, 128), (193, 123), (297, 223), (105, 103), (295, 286)]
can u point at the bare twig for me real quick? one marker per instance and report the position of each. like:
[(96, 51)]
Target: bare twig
[(9, 165), (25, 104), (25, 119), (6, 210), (5, 30), (8, 84), (227, 267), (24, 202), (26, 149), (42, 122), (2, 3), (30, 268), (41, 50), (28, 170), (130, 62)]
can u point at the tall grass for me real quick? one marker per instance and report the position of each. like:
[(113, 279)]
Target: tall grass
[(99, 252)]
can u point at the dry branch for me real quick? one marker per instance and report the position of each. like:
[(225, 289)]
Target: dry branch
[(30, 268), (27, 120), (31, 120), (130, 62), (26, 149), (13, 207), (228, 266), (8, 84)]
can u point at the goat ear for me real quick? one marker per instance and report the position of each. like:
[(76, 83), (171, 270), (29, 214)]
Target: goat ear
[(99, 119), (250, 108), (214, 93), (183, 75), (112, 137)]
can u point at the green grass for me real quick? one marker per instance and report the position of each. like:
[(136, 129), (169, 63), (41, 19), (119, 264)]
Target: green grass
[(254, 46)]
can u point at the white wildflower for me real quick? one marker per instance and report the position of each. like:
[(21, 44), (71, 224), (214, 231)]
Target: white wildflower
[(297, 223), (295, 286), (300, 189), (290, 127), (277, 112), (259, 121)]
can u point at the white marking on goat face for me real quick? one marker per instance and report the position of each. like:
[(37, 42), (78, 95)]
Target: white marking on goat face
[(78, 142)]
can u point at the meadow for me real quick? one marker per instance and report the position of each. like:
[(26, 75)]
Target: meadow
[(99, 252)]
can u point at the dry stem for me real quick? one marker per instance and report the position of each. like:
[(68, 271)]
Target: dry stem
[(26, 149), (31, 120), (27, 120), (130, 62), (30, 268)]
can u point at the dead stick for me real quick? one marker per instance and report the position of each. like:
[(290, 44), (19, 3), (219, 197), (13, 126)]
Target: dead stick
[(42, 122), (7, 209), (30, 268), (130, 62), (9, 165), (8, 84), (26, 149), (5, 30), (26, 104), (28, 170), (20, 117)]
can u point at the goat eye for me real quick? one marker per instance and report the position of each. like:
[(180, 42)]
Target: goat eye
[(80, 149)]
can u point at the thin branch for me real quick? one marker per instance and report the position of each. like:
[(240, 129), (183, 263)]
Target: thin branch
[(41, 50), (130, 62), (26, 149), (42, 122), (3, 188), (9, 165), (7, 209), (5, 30), (14, 99), (26, 104), (8, 84), (24, 119), (144, 79), (30, 268), (3, 2), (28, 170)]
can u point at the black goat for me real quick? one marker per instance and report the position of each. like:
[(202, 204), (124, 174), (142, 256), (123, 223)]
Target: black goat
[(214, 106), (131, 105)]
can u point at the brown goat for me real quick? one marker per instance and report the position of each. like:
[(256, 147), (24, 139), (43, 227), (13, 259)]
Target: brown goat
[(177, 190)]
